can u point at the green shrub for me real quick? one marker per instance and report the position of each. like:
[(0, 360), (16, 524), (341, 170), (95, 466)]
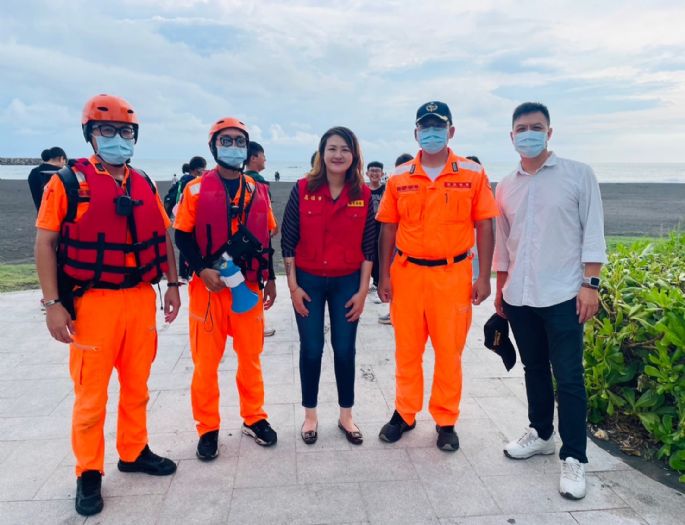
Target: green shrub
[(635, 347)]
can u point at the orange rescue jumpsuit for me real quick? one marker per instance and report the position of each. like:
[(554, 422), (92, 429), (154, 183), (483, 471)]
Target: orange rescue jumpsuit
[(211, 322), (435, 220), (113, 329)]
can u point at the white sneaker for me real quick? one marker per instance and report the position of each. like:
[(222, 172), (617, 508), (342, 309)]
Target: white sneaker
[(572, 480), (528, 445)]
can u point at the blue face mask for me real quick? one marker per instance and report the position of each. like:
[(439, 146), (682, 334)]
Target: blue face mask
[(114, 150), (231, 156), (432, 140), (530, 143)]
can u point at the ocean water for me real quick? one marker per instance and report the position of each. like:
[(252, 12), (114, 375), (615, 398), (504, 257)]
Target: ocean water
[(291, 171)]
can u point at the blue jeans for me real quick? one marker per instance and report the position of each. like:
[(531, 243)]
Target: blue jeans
[(336, 291)]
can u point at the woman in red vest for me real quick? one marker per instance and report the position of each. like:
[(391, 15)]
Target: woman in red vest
[(328, 240)]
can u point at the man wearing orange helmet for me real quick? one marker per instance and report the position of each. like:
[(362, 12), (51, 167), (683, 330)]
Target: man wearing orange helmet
[(101, 242), (225, 213)]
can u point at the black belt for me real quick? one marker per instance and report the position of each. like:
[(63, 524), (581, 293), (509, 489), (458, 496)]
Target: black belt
[(435, 262)]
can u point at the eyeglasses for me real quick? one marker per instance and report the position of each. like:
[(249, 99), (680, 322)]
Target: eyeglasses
[(106, 130), (226, 140)]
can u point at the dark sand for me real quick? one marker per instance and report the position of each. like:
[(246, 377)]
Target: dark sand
[(629, 209)]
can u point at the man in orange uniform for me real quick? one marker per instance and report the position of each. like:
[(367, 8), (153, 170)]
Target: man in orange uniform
[(428, 211), (101, 242), (219, 212)]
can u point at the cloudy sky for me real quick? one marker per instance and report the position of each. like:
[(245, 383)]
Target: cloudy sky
[(613, 76)]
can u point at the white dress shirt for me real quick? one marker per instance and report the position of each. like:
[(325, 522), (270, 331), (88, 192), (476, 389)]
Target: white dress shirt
[(550, 224)]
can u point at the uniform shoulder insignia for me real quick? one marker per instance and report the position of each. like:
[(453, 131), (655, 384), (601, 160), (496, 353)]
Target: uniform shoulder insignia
[(470, 165), (194, 189)]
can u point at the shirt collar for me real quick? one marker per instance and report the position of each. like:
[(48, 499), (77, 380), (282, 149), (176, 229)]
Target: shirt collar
[(551, 161), (447, 168), (100, 168)]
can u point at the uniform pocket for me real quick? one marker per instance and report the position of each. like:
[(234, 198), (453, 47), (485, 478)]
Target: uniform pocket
[(457, 207), (410, 205)]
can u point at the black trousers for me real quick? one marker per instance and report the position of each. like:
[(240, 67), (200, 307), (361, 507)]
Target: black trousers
[(553, 335)]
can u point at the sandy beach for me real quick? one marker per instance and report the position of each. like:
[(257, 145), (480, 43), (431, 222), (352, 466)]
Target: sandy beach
[(629, 209)]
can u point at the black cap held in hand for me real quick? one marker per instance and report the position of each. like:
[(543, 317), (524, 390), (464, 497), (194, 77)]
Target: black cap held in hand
[(496, 332)]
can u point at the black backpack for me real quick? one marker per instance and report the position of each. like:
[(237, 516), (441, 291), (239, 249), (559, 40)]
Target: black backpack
[(170, 198)]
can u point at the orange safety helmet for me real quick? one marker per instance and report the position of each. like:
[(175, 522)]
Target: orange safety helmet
[(107, 107), (227, 122)]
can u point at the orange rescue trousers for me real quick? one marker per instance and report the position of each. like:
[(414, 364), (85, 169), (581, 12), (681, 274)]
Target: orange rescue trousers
[(113, 329), (211, 322), (435, 302)]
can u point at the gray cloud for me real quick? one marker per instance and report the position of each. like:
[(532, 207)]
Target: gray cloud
[(292, 70)]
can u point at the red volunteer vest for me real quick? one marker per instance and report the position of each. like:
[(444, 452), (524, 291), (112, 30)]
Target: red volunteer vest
[(331, 232), (93, 249), (212, 220)]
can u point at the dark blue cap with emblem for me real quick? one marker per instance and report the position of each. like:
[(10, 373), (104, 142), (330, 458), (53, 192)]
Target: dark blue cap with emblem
[(434, 108)]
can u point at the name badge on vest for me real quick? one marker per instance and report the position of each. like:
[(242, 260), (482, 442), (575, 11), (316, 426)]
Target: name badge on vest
[(409, 188), (356, 204), (458, 185)]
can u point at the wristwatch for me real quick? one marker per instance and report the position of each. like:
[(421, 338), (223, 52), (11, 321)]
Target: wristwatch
[(591, 282), (49, 302)]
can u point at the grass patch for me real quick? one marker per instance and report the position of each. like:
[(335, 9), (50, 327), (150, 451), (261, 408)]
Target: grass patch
[(15, 277), (616, 240)]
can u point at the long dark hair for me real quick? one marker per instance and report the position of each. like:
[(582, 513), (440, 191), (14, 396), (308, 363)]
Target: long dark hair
[(354, 177)]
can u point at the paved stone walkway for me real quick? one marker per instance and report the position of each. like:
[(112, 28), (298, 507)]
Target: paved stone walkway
[(331, 482)]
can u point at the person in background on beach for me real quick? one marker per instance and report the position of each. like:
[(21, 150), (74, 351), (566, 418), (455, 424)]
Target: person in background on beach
[(374, 172), (174, 179), (54, 159), (277, 177), (191, 170), (219, 213), (328, 242), (549, 252), (256, 162), (428, 211), (404, 157), (112, 321)]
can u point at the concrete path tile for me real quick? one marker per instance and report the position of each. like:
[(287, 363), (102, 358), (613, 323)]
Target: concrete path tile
[(397, 502), (651, 500), (299, 504), (535, 492), (482, 444), (608, 517), (209, 476), (195, 505), (141, 510), (182, 445), (25, 512), (356, 465), (267, 466), (507, 413), (330, 482), (29, 466), (551, 518), (452, 485)]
